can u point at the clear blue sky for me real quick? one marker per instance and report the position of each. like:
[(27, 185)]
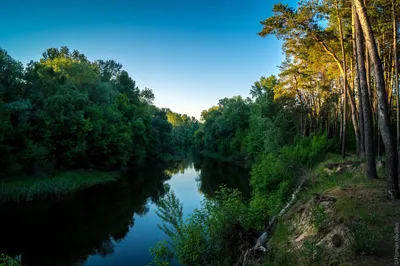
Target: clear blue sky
[(191, 53)]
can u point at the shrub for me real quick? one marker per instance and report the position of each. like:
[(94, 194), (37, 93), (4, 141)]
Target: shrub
[(312, 254), (204, 238), (362, 239), (319, 215), (275, 175), (162, 254)]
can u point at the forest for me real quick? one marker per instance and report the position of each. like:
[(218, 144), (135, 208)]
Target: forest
[(329, 122), (337, 92), (65, 113), (340, 78)]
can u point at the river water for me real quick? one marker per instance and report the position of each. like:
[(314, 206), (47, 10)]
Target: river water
[(114, 224)]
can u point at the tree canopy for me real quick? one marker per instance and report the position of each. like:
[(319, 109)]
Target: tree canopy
[(65, 112)]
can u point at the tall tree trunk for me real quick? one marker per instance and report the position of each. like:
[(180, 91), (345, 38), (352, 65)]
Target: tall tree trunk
[(320, 41), (354, 115), (344, 82), (367, 66), (396, 75), (356, 79), (341, 112), (384, 121), (365, 106), (391, 88)]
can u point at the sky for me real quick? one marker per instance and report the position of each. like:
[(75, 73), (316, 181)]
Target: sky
[(191, 53)]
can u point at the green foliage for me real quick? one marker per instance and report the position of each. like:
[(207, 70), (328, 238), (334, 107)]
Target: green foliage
[(312, 253), (204, 238), (170, 211), (363, 240), (259, 131), (162, 254), (274, 176), (65, 112), (283, 253), (319, 215), (225, 127), (280, 249), (37, 188), (183, 130), (9, 261), (245, 129)]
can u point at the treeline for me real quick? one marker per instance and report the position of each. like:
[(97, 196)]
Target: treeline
[(66, 112), (263, 132), (340, 76), (183, 131), (241, 129), (341, 69)]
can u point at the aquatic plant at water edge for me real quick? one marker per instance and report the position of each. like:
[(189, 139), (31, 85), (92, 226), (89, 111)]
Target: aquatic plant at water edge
[(37, 188), (204, 238)]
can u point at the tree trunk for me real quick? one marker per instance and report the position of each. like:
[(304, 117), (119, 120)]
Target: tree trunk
[(384, 121), (365, 107), (396, 76), (344, 82), (343, 72), (356, 78)]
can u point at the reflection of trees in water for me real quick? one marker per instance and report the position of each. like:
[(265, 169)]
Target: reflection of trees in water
[(66, 232), (179, 167), (213, 173)]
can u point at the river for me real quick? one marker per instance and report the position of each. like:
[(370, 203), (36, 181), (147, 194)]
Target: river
[(114, 224)]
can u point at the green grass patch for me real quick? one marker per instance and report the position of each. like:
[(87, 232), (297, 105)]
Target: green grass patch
[(361, 205), (25, 188)]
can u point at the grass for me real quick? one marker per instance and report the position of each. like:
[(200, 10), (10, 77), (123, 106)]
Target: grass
[(25, 188), (361, 205)]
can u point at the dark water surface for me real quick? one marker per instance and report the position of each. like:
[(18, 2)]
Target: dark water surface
[(113, 224)]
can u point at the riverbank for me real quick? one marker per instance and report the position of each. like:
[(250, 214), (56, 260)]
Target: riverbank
[(340, 218), (335, 217), (30, 188)]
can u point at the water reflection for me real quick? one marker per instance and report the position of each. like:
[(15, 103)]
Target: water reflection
[(212, 174), (67, 231), (113, 224)]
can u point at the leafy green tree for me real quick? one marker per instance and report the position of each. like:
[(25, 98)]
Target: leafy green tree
[(65, 112)]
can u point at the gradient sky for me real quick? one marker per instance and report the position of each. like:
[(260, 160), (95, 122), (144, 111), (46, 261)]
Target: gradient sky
[(191, 53)]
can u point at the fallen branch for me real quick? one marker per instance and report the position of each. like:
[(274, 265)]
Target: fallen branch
[(321, 198), (293, 198), (261, 244)]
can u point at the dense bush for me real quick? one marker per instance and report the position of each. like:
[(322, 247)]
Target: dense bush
[(205, 237), (275, 175)]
